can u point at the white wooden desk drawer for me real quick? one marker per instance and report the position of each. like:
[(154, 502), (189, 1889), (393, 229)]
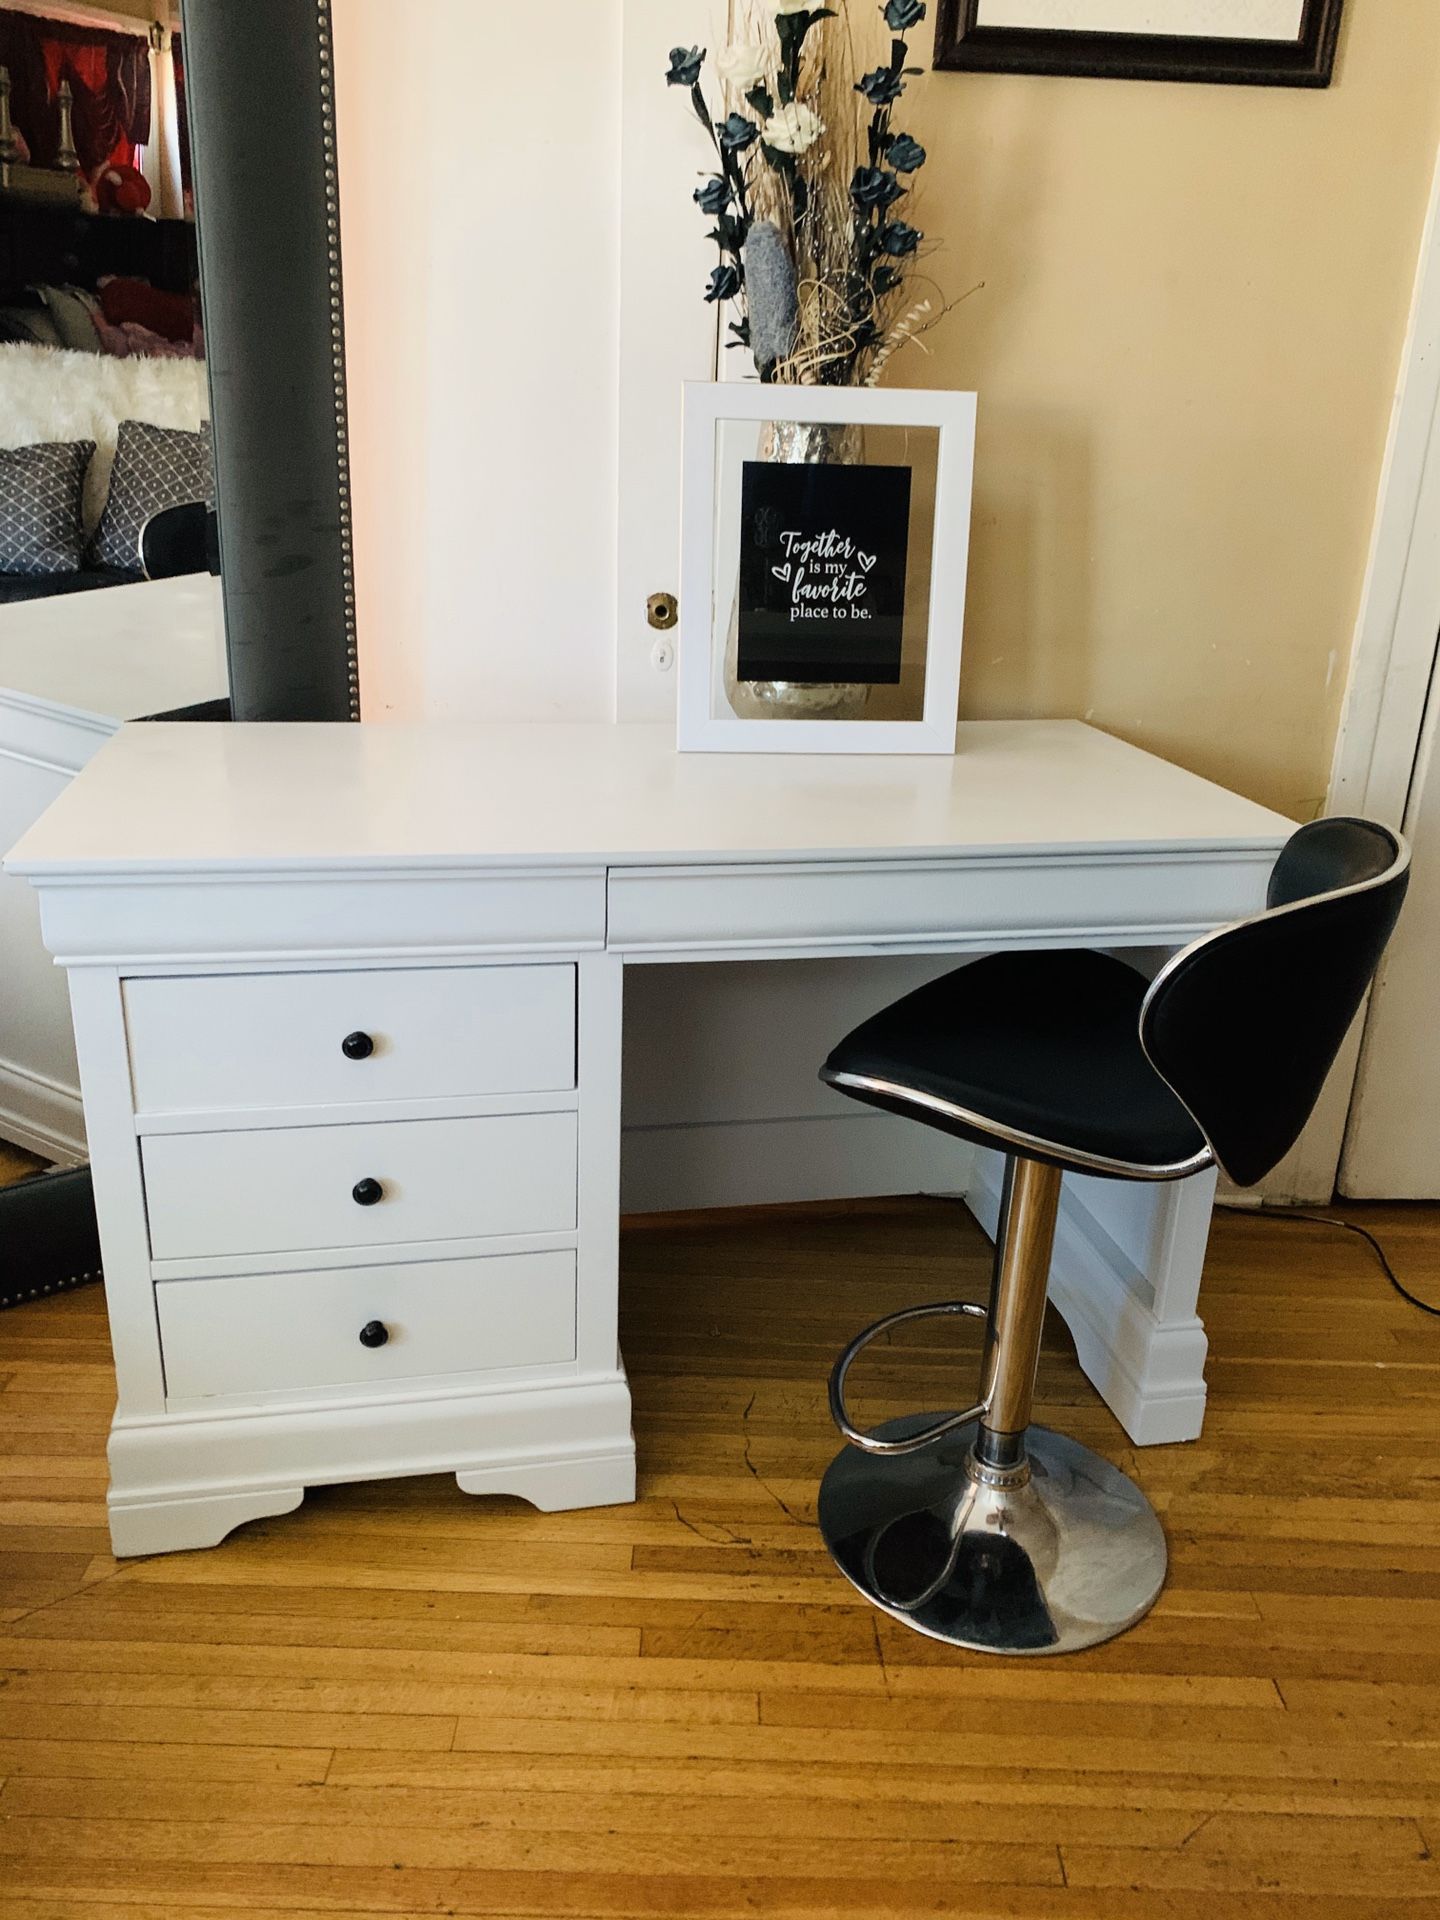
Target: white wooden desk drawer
[(324, 1039), (286, 1189), (1074, 897), (289, 1332)]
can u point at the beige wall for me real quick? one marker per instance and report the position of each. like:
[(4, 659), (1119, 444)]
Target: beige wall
[(481, 329), (1185, 349)]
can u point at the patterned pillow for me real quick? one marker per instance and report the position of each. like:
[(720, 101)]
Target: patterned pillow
[(40, 494), (155, 467), (73, 312)]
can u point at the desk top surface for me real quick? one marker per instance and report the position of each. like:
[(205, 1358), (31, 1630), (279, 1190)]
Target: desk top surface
[(119, 651), (210, 797)]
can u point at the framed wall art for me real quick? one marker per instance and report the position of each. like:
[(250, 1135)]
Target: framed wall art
[(825, 542), (1262, 43)]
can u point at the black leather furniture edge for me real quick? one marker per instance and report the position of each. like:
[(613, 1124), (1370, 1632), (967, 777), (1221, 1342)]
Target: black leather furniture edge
[(48, 1238)]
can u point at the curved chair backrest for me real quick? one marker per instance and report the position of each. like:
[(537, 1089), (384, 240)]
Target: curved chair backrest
[(1245, 1024), (177, 540)]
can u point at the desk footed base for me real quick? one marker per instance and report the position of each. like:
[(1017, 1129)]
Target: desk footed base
[(184, 1481)]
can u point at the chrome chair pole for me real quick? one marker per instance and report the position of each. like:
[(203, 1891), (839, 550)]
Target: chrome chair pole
[(1017, 1310)]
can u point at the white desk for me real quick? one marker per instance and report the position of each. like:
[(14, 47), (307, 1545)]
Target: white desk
[(72, 668), (232, 903)]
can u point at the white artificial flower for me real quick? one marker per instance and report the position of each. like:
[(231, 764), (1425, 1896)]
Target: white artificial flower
[(793, 6), (743, 66), (792, 129)]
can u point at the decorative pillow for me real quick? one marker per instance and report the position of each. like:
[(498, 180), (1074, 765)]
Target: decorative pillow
[(154, 467), (73, 312), (40, 493)]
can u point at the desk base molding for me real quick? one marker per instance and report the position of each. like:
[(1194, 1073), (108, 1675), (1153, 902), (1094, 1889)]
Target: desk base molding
[(178, 1483)]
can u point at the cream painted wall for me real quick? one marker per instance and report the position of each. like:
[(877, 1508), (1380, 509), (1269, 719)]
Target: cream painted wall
[(480, 232), (1185, 347)]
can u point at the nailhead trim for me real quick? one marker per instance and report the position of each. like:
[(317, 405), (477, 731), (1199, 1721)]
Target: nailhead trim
[(337, 338)]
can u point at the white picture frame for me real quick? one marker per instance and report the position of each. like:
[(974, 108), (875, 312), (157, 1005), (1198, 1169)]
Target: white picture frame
[(706, 406)]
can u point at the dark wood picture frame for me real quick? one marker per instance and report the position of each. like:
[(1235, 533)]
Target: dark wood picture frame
[(962, 45), (260, 87)]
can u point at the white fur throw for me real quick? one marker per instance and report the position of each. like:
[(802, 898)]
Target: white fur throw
[(50, 394)]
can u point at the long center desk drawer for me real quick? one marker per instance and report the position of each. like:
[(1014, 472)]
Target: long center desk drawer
[(223, 1041), (725, 909), (286, 1189), (290, 1332)]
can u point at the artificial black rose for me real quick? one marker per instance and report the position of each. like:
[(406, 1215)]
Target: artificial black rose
[(898, 239), (873, 187), (795, 26), (724, 284), (886, 279), (714, 196), (685, 65), (881, 87), (901, 15), (904, 154), (737, 133)]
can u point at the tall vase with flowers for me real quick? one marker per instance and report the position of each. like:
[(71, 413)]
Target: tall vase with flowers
[(811, 167)]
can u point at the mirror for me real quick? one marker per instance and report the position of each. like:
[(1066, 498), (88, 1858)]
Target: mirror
[(174, 508)]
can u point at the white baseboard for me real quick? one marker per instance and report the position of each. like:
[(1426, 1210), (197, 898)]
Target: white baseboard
[(752, 1163), (41, 1115), (1150, 1372)]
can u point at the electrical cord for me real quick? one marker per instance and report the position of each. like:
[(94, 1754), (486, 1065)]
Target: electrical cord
[(1345, 1226)]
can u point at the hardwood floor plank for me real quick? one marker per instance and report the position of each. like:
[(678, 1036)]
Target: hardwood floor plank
[(136, 1760), (696, 1812), (973, 1783), (507, 1851), (45, 1720), (121, 1887)]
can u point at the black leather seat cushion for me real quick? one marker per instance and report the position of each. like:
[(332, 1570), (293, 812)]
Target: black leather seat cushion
[(1044, 1044)]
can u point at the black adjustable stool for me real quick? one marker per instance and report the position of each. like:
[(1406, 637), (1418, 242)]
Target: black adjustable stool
[(976, 1527)]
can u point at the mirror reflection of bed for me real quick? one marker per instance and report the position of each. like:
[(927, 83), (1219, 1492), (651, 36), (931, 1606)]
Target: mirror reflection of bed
[(109, 596)]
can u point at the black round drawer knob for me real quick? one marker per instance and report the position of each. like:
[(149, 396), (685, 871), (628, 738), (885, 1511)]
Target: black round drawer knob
[(366, 1192), (357, 1046), (374, 1334)]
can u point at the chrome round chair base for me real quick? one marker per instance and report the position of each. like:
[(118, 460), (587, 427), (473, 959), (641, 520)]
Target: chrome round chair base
[(1070, 1557)]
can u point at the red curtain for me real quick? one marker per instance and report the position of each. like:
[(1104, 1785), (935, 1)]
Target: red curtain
[(109, 76)]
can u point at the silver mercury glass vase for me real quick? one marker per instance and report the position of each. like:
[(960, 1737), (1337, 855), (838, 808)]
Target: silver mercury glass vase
[(813, 443)]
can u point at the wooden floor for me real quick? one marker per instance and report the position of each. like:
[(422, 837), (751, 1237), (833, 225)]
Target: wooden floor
[(400, 1701)]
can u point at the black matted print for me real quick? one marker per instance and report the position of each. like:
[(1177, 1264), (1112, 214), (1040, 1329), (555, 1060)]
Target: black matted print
[(823, 553)]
